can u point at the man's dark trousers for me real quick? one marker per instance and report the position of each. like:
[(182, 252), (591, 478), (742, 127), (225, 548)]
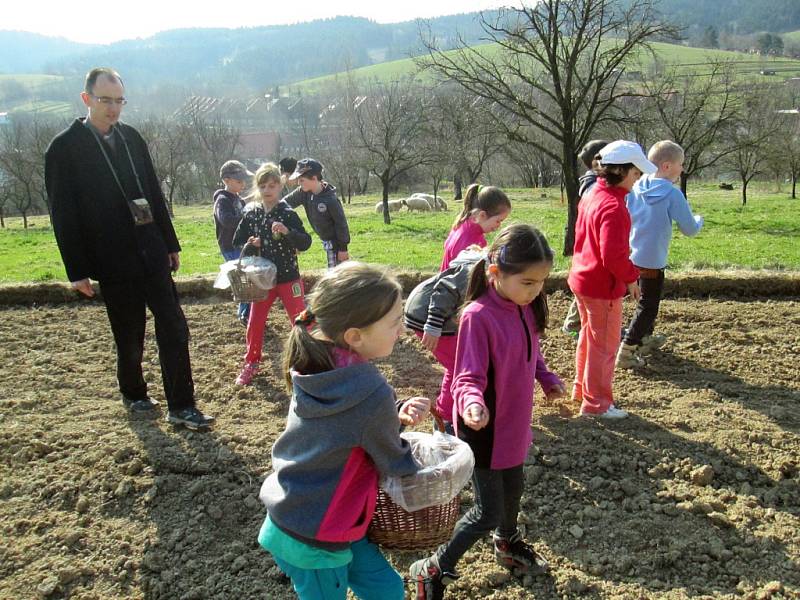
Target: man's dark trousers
[(125, 304)]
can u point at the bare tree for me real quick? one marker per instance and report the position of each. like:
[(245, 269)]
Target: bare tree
[(756, 126), (467, 131), (22, 147), (306, 117), (787, 154), (537, 168), (792, 153), (388, 120), (570, 53), (337, 142), (172, 159), (697, 111), (212, 142), (5, 196), (440, 140)]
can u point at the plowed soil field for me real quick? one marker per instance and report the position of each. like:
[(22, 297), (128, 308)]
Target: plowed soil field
[(695, 496)]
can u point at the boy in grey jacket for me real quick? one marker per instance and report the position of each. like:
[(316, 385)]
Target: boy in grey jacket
[(323, 209), (431, 312)]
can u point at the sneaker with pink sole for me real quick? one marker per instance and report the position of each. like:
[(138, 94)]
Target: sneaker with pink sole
[(249, 371)]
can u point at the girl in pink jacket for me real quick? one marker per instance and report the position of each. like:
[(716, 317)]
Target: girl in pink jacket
[(497, 362), (485, 208)]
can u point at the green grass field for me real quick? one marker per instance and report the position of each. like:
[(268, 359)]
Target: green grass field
[(694, 60), (791, 36), (761, 236), (30, 79)]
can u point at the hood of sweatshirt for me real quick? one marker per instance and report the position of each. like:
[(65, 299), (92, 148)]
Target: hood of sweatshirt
[(653, 189), (328, 191), (331, 392), (467, 257)]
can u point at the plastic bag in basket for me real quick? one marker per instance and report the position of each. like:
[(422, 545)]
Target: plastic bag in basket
[(447, 467), (259, 271)]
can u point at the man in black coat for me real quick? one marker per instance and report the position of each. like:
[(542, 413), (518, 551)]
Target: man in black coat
[(112, 225)]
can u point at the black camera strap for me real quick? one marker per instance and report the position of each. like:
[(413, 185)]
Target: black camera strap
[(111, 165)]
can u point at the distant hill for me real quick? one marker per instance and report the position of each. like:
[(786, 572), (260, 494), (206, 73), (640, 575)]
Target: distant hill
[(24, 52), (689, 59), (734, 16), (254, 57), (219, 62)]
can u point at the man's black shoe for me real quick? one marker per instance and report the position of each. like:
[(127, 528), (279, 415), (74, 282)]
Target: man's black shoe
[(144, 407), (190, 418)]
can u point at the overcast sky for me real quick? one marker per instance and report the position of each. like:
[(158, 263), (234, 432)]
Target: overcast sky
[(104, 21)]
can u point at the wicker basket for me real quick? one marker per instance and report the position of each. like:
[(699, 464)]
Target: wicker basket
[(397, 529), (244, 286)]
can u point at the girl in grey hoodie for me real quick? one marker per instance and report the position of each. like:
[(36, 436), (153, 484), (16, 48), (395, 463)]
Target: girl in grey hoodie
[(342, 432)]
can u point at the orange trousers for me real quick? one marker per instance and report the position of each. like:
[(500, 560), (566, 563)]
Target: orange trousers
[(601, 321)]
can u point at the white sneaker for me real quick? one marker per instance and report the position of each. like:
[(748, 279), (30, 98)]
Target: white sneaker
[(628, 357), (652, 342), (612, 413)]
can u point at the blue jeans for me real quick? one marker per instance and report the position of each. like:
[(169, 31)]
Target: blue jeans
[(497, 498), (370, 576), (243, 312)]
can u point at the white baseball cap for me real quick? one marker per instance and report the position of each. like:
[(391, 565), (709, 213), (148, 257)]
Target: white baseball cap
[(622, 152)]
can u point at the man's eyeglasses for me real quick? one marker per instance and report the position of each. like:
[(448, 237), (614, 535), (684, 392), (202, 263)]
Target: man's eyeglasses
[(108, 100)]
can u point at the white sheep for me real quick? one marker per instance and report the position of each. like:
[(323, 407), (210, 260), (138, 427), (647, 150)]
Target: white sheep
[(394, 205), (417, 203), (435, 201)]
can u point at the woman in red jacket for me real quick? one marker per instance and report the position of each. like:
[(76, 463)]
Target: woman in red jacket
[(602, 273)]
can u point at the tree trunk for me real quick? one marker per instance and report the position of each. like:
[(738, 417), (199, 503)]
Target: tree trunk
[(794, 186), (570, 182), (2, 219), (684, 181), (744, 191), (170, 205), (24, 220), (457, 193), (436, 181), (385, 182)]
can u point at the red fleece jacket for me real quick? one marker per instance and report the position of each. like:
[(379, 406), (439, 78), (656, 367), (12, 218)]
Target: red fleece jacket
[(601, 265)]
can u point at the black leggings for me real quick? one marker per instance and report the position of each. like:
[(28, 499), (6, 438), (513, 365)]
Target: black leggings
[(497, 498)]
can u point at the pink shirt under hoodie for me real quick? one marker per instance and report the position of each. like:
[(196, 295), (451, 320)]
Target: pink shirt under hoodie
[(466, 234), (497, 360)]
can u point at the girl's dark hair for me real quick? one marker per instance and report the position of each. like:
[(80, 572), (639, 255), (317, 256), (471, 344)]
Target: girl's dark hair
[(487, 198), (515, 248), (614, 174), (590, 150), (351, 295)]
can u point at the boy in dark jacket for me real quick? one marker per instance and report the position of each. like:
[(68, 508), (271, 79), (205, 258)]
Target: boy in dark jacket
[(572, 324), (228, 206), (323, 209)]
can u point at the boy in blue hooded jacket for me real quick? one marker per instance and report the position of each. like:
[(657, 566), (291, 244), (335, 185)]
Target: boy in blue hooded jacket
[(654, 203)]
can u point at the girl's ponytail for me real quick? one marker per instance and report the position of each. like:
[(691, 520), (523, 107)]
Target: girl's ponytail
[(478, 282), (351, 295), (514, 249), (303, 352), (488, 198), (469, 204)]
